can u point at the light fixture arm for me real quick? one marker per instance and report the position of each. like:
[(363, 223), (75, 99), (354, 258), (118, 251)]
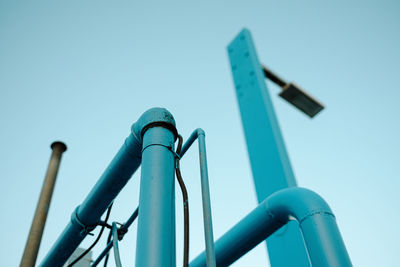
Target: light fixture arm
[(273, 77)]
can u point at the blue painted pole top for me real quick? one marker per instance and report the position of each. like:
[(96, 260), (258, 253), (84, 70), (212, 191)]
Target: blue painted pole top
[(153, 117)]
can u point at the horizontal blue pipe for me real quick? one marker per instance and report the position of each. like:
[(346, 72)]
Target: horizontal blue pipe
[(318, 225), (114, 178)]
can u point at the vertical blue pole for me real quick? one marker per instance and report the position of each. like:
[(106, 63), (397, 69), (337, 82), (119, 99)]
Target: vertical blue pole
[(270, 163), (205, 192), (205, 195), (156, 221)]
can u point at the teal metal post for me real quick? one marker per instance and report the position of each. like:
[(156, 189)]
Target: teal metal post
[(156, 221), (270, 163)]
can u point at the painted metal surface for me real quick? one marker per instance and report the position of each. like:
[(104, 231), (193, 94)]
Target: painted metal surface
[(124, 229), (156, 222), (205, 193), (39, 220), (318, 225), (115, 245), (114, 178), (270, 163)]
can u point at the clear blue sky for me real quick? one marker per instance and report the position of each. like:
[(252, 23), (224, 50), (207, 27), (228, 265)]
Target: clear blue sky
[(84, 71)]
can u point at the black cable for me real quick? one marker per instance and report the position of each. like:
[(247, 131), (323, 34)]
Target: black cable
[(95, 242), (121, 232), (185, 206)]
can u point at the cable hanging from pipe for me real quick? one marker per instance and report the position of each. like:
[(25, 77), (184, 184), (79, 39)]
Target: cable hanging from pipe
[(97, 239), (185, 204)]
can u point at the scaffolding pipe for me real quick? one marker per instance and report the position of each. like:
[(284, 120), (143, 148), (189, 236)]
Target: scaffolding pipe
[(86, 216), (321, 235), (156, 245), (124, 229), (205, 193), (39, 220)]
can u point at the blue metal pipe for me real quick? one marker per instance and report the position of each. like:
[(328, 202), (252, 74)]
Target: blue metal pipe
[(322, 238), (190, 141), (103, 254), (205, 193), (156, 221), (125, 163), (115, 245), (124, 229)]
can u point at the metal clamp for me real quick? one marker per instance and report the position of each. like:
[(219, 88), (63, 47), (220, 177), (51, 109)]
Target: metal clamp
[(86, 229)]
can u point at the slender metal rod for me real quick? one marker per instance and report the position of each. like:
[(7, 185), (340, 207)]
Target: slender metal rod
[(102, 254), (273, 77), (156, 221), (39, 220), (321, 234), (205, 193), (115, 245)]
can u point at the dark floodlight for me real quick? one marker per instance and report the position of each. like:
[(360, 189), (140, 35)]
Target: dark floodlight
[(295, 95)]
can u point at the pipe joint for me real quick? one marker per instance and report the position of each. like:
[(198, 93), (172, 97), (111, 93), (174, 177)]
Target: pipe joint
[(154, 117), (296, 202), (321, 235), (168, 147), (196, 133), (84, 228)]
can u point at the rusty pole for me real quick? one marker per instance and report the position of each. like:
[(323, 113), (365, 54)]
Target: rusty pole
[(39, 219)]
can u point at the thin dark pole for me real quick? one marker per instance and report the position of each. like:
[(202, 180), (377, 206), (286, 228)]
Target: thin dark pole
[(273, 77), (42, 208)]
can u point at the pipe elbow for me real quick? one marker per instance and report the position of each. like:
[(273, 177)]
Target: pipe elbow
[(151, 118), (200, 131), (296, 202)]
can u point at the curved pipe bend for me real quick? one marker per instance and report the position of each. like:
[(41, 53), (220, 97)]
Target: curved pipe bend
[(150, 117), (196, 133), (296, 203), (321, 235)]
